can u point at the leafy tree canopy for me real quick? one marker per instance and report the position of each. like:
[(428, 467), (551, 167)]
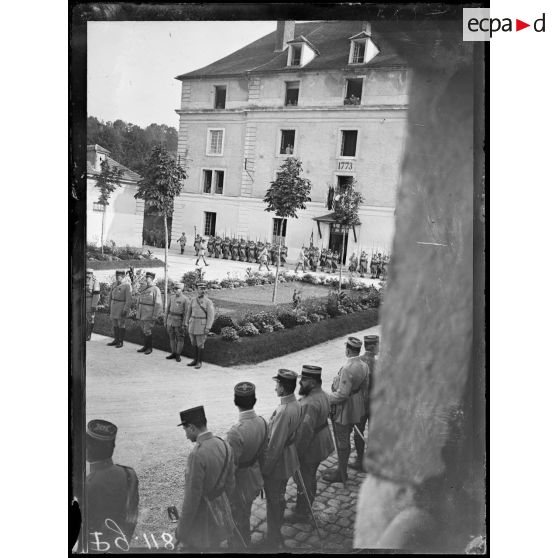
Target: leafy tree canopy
[(289, 192), (107, 181), (346, 206)]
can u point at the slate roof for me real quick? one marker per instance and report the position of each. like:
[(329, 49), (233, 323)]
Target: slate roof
[(129, 174), (331, 38)]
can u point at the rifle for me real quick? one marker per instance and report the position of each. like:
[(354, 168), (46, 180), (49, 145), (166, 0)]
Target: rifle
[(300, 481), (332, 419)]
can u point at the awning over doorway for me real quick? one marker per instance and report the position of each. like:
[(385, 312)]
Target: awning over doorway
[(329, 218)]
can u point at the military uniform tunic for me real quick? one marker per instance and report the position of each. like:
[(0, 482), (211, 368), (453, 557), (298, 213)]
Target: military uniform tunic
[(199, 317), (209, 475), (92, 295), (150, 307), (347, 391), (176, 321), (120, 301)]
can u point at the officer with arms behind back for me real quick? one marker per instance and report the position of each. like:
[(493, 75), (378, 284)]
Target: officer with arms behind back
[(199, 317), (150, 307), (120, 302), (175, 320)]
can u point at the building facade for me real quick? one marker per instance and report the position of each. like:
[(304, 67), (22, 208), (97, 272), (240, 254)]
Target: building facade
[(124, 214), (329, 93)]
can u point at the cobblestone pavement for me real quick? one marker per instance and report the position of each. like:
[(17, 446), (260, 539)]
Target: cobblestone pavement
[(217, 268), (143, 396)]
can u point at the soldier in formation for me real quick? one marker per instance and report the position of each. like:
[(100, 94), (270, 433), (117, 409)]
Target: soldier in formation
[(259, 249), (273, 254), (301, 260), (335, 259), (197, 244), (363, 263), (328, 261), (353, 263), (234, 250), (243, 251), (374, 265), (284, 252), (313, 258), (111, 490), (211, 246), (150, 307), (218, 247), (120, 302), (182, 242), (92, 296), (226, 248), (251, 252), (175, 321), (205, 518), (199, 317)]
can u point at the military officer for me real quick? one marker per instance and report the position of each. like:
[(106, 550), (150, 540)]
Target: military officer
[(150, 307), (234, 249), (353, 263), (226, 248), (284, 252), (120, 302), (201, 251), (301, 260), (217, 247), (199, 317), (263, 258), (209, 484), (92, 296), (274, 253), (197, 244), (281, 459), (175, 321), (182, 242), (363, 263), (247, 439), (111, 490), (210, 246), (313, 440), (251, 252), (371, 345), (347, 405)]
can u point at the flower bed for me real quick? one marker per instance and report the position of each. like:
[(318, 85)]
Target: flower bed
[(124, 264)]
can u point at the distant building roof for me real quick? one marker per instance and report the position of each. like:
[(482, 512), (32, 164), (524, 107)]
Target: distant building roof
[(331, 38), (129, 174)]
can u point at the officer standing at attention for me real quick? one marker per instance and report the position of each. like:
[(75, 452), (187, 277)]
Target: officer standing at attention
[(175, 321), (111, 490), (281, 459), (209, 483), (313, 439), (120, 301), (371, 346), (347, 405), (92, 295), (150, 307), (248, 439), (199, 317), (182, 241)]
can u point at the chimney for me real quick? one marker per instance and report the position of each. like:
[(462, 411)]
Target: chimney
[(366, 27), (284, 34)]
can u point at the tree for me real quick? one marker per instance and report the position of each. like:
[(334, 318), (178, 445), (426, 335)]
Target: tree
[(107, 181), (288, 193), (162, 183), (345, 209)]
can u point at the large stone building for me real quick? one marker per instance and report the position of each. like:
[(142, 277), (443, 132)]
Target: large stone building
[(124, 214), (331, 93)]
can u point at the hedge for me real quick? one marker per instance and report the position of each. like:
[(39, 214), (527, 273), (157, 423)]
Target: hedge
[(251, 350), (124, 264)]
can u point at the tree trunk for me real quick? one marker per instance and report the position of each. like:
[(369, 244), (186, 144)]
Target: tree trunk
[(103, 229), (341, 261), (166, 258), (278, 262)]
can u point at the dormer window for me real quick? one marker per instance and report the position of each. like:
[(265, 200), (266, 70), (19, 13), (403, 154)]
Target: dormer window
[(357, 56), (296, 53), (362, 49), (301, 51)]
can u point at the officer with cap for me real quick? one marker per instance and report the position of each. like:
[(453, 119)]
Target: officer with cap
[(199, 317), (281, 459), (209, 484), (92, 295), (371, 346), (347, 405), (248, 439), (120, 302), (111, 490), (150, 307), (175, 320), (313, 439)]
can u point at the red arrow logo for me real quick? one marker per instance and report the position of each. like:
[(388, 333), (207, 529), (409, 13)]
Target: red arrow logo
[(519, 25)]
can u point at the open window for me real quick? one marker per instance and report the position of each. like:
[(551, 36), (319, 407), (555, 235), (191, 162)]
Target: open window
[(348, 143), (279, 233), (213, 181), (295, 55), (287, 142), (291, 93), (353, 93), (344, 182), (220, 96), (357, 52), (209, 224), (207, 179)]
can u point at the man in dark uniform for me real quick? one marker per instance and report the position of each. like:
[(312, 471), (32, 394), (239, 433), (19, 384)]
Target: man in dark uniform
[(363, 264), (281, 460), (258, 250), (217, 249), (371, 345), (234, 250), (274, 254), (197, 244), (242, 250), (313, 439), (120, 301), (226, 248), (182, 242), (150, 307), (247, 439), (199, 318), (347, 405), (175, 321), (284, 252), (210, 246), (111, 490), (251, 253), (209, 484), (92, 295)]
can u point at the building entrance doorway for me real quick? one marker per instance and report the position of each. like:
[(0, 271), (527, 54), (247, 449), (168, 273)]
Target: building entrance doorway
[(336, 240)]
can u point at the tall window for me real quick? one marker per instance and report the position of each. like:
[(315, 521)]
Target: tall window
[(354, 91), (209, 227), (219, 180), (291, 93), (296, 52), (278, 233), (213, 181), (220, 96), (215, 141), (358, 52), (287, 142), (207, 178), (348, 143)]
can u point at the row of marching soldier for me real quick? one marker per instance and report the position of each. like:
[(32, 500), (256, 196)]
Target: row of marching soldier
[(225, 476)]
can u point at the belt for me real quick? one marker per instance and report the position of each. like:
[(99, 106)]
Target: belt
[(145, 304), (176, 313), (118, 300)]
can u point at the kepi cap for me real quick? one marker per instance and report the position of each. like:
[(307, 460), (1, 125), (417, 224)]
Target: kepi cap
[(179, 285), (354, 343), (102, 430), (311, 371), (88, 270), (286, 375), (371, 341), (201, 284), (244, 389), (150, 274), (195, 414), (120, 272)]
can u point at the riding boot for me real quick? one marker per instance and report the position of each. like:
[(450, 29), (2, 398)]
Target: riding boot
[(195, 361), (122, 332), (144, 348), (178, 352), (341, 472), (114, 342), (200, 355), (173, 349), (89, 331), (149, 349)]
